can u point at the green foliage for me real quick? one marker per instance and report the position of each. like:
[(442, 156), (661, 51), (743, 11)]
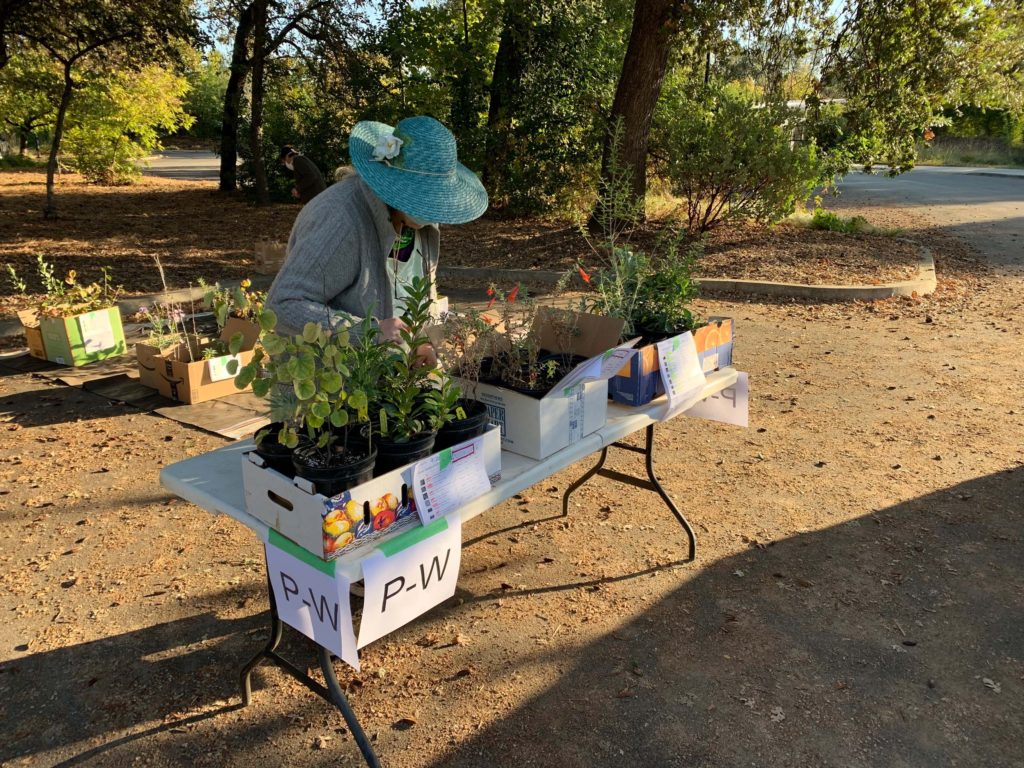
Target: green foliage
[(68, 297), (207, 77), (413, 396), (30, 86), (730, 157), (116, 120)]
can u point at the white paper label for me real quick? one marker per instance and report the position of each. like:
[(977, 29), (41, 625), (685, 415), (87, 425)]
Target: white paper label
[(681, 373), (313, 600), (217, 367), (97, 331), (449, 479), (577, 405), (598, 368), (404, 581), (730, 406)]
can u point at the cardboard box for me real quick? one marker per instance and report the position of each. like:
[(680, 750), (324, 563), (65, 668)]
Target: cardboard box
[(33, 334), (537, 427), (180, 372), (361, 516), (76, 339), (639, 381), (270, 255)]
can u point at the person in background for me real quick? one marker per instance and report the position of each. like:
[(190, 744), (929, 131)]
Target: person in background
[(309, 182), (356, 248)]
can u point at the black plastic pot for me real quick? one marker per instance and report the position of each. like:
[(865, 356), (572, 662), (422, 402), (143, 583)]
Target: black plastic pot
[(275, 455), (392, 455), (460, 430), (343, 470)]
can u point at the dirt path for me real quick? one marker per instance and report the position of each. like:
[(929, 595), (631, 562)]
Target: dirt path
[(858, 598)]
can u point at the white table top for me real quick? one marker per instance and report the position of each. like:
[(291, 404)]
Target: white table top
[(213, 480)]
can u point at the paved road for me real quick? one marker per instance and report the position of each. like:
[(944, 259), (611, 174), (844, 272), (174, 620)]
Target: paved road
[(983, 206), (184, 164)]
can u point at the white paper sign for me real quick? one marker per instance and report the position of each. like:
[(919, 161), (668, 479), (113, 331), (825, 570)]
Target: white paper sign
[(312, 598), (97, 332), (408, 575), (681, 373), (449, 479), (730, 406), (597, 368), (217, 367)]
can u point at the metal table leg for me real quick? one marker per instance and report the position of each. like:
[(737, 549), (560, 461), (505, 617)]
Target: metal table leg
[(651, 483), (332, 692)]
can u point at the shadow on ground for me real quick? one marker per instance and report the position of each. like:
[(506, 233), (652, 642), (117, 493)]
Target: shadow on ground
[(805, 653)]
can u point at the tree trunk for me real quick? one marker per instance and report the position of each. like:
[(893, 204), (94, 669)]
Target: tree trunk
[(643, 71), (259, 44), (22, 141), (50, 210), (506, 94), (463, 119), (232, 97)]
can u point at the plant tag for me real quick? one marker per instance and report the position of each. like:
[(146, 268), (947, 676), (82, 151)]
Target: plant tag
[(217, 367), (597, 368), (311, 597), (97, 332), (408, 575), (730, 406), (443, 482), (681, 373)]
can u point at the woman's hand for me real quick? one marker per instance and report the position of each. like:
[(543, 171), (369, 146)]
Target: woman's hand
[(426, 356), (390, 329)]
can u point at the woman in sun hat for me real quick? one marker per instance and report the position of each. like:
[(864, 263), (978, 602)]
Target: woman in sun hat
[(356, 246)]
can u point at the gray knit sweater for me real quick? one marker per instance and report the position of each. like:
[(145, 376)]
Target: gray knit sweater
[(336, 263)]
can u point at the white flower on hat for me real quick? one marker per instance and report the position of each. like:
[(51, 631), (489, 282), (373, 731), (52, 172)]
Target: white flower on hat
[(388, 147)]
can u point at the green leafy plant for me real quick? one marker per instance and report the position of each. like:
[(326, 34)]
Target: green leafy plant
[(414, 396), (240, 302), (17, 283), (308, 381), (69, 297), (468, 339)]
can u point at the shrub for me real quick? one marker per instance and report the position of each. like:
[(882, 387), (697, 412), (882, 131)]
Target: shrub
[(730, 157)]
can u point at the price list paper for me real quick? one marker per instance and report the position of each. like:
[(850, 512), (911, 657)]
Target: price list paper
[(681, 373), (446, 481)]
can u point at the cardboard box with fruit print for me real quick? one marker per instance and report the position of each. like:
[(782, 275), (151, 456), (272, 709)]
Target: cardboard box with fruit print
[(359, 517)]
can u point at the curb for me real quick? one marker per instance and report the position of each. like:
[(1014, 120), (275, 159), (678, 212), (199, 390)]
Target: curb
[(922, 284)]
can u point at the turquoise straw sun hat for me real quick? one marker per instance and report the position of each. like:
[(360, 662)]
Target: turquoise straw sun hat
[(413, 167)]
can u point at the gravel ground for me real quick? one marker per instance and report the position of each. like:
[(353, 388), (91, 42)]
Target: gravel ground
[(858, 598)]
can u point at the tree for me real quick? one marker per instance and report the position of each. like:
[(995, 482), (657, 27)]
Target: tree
[(251, 19), (116, 118), (207, 80), (30, 85), (73, 32)]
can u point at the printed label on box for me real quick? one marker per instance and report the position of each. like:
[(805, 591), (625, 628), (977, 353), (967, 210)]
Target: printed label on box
[(97, 331), (447, 480), (217, 367), (311, 597), (576, 407)]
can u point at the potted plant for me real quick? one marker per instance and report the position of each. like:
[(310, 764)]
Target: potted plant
[(414, 397), (522, 360), (240, 303), (74, 323), (466, 341), (306, 379)]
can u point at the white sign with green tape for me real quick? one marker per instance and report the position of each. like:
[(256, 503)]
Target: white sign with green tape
[(311, 597), (681, 373), (408, 575)]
